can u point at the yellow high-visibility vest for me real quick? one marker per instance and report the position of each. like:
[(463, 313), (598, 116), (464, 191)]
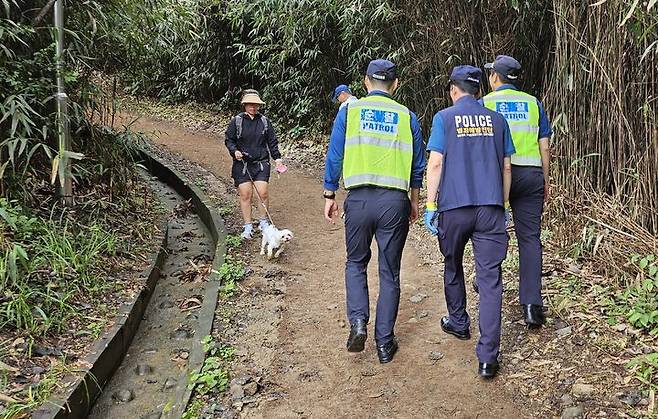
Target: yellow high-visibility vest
[(522, 114), (378, 144)]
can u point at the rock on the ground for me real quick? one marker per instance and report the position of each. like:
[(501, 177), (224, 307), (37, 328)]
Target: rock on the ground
[(573, 412), (250, 388), (632, 398), (435, 356), (236, 392), (565, 331), (124, 396), (582, 389), (241, 380), (566, 400), (418, 298)]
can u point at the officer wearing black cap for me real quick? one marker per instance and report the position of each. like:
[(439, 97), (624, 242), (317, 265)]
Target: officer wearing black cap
[(468, 180), (343, 95), (531, 132), (377, 147)]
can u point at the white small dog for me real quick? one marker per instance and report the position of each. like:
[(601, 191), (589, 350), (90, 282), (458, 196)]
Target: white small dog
[(275, 240)]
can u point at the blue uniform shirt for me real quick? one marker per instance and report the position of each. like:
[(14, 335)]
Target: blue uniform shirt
[(545, 130), (474, 141), (336, 151)]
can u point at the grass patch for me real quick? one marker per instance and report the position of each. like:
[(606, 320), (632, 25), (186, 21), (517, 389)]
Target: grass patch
[(213, 377), (36, 394), (62, 275), (233, 241), (232, 270), (45, 266), (225, 211)]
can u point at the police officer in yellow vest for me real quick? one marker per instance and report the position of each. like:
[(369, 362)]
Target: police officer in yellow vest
[(376, 144), (531, 133)]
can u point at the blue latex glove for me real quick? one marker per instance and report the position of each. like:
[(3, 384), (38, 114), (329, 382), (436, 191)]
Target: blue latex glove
[(508, 218), (430, 217)]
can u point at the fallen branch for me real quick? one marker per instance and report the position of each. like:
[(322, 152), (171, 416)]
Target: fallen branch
[(611, 227)]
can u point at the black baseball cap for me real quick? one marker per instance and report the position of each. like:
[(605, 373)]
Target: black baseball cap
[(382, 70), (465, 73), (506, 66)]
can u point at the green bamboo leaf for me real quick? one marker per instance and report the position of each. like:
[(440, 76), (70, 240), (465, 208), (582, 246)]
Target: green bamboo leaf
[(8, 219)]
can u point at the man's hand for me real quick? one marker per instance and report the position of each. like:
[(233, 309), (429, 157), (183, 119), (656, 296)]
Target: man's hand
[(330, 210), (431, 213), (414, 212), (238, 155)]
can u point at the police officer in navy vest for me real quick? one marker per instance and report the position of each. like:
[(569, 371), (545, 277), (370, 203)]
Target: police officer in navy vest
[(468, 180), (531, 132), (377, 146)]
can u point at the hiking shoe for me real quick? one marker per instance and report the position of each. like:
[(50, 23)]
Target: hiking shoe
[(248, 232), (263, 223)]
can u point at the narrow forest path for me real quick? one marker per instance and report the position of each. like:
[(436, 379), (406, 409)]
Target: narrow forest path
[(306, 358)]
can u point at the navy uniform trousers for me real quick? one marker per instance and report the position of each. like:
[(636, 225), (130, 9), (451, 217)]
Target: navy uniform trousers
[(485, 227), (384, 214), (527, 202)]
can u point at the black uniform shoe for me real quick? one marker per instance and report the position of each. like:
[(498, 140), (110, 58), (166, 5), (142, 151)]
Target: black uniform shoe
[(533, 315), (459, 334), (488, 369), (386, 351), (358, 334)]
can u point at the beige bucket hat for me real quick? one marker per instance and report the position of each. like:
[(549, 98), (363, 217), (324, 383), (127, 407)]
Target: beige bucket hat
[(251, 96)]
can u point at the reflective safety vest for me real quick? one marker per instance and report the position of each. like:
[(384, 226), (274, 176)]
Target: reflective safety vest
[(522, 114), (378, 144)]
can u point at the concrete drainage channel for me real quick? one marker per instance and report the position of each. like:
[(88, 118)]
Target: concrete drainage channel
[(147, 376)]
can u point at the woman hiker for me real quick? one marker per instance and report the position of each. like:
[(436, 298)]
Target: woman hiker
[(251, 142)]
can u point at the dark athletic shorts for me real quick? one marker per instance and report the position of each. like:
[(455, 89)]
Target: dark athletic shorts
[(260, 171)]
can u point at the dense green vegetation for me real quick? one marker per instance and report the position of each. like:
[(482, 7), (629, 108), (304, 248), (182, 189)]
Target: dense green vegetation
[(593, 63), (55, 260), (49, 252), (579, 58)]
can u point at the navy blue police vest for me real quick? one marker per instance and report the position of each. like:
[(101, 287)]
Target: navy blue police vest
[(473, 156)]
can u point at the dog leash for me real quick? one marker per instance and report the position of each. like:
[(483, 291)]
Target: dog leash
[(253, 184)]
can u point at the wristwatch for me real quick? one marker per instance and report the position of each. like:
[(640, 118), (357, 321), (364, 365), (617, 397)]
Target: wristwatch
[(331, 195)]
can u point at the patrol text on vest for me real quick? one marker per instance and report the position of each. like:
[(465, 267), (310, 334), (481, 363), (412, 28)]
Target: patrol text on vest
[(379, 122), (514, 111)]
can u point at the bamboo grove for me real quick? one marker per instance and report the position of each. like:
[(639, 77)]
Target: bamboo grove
[(594, 64)]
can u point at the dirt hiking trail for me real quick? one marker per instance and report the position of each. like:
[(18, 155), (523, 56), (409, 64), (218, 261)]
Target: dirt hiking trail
[(295, 337)]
